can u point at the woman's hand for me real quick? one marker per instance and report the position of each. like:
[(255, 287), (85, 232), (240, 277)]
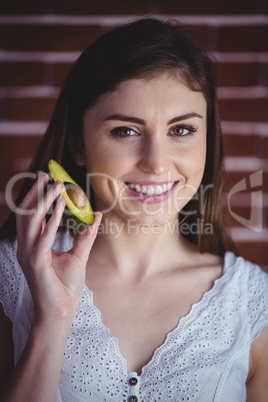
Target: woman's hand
[(56, 279)]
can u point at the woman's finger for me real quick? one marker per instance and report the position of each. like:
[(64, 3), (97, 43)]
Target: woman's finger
[(25, 210), (36, 223), (47, 237), (31, 199), (28, 204), (85, 240), (45, 203)]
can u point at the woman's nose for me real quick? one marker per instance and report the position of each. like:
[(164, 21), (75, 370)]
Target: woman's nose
[(154, 157)]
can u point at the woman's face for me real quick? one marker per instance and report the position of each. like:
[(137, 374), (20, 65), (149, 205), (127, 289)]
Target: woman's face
[(145, 148)]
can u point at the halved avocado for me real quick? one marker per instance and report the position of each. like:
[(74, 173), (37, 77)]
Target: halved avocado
[(76, 199)]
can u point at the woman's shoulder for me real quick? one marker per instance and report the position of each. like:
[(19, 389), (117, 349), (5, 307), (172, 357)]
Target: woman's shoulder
[(250, 284), (252, 278), (250, 271)]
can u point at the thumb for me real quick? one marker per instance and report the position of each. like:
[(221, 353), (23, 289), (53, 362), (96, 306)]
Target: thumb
[(85, 240)]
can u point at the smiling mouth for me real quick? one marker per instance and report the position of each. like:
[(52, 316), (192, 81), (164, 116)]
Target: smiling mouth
[(151, 191)]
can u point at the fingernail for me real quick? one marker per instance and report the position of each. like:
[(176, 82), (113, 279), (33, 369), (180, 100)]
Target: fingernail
[(98, 215), (42, 175)]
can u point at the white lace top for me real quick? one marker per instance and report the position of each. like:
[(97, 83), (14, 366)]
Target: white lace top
[(205, 358)]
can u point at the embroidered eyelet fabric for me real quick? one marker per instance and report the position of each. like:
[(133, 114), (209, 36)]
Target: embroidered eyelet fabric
[(205, 358)]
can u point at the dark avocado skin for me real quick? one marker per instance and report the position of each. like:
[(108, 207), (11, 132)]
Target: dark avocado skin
[(58, 173)]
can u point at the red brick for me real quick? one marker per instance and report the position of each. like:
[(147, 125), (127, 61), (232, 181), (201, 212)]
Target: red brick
[(61, 71), (238, 145), (231, 178), (199, 33), (266, 148), (254, 252), (243, 38), (27, 109), (48, 37), (103, 7), (265, 73), (21, 74), (13, 147), (237, 74), (208, 7), (11, 169), (241, 211), (250, 109), (79, 7), (26, 7), (18, 7)]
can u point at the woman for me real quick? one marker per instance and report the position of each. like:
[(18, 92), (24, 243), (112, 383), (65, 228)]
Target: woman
[(174, 316)]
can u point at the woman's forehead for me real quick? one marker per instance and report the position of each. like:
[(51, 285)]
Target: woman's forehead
[(161, 93)]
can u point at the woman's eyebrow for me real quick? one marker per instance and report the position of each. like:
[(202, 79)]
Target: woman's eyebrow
[(137, 120), (185, 117), (122, 117)]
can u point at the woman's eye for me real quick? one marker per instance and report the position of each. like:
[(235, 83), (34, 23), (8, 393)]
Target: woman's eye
[(182, 131), (123, 132)]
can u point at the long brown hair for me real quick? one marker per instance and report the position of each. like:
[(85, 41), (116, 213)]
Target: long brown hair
[(144, 47)]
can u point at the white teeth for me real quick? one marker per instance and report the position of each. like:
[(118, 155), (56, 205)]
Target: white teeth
[(169, 185), (158, 190), (151, 190), (143, 189)]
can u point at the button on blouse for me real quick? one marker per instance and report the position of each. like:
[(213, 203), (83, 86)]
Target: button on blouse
[(134, 387), (133, 381), (133, 398)]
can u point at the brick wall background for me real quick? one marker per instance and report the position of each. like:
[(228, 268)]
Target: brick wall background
[(39, 40)]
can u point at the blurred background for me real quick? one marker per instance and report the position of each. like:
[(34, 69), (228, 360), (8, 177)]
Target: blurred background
[(39, 41)]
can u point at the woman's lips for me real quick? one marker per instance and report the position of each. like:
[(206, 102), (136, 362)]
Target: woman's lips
[(150, 192)]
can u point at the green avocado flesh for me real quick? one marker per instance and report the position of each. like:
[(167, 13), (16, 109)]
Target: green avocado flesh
[(76, 199)]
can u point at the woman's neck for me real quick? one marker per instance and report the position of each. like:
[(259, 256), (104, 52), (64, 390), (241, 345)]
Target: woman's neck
[(135, 251)]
